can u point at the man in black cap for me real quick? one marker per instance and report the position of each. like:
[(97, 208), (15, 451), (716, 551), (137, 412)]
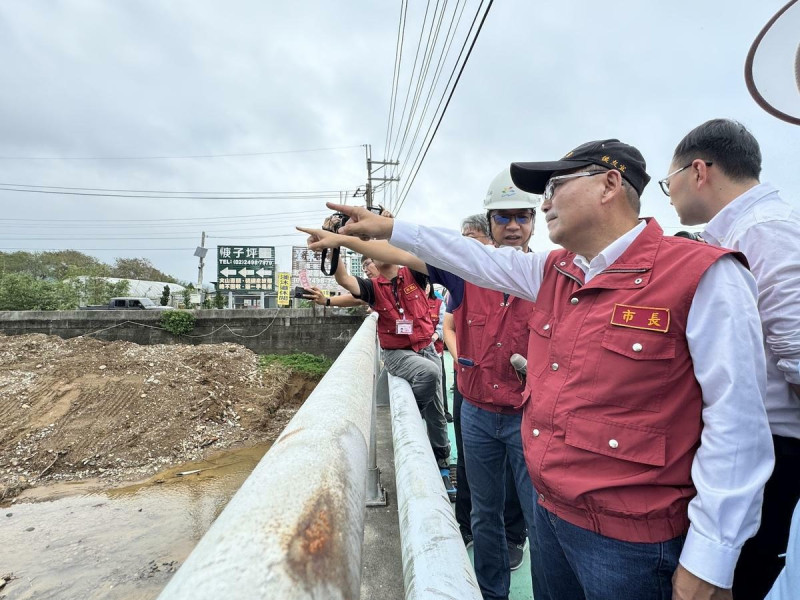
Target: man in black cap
[(634, 379)]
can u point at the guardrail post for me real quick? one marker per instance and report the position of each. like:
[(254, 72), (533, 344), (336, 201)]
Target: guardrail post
[(376, 494)]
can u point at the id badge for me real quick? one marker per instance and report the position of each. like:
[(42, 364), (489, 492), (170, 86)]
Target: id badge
[(404, 326)]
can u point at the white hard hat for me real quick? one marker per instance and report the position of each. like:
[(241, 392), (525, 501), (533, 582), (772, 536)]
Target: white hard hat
[(503, 194)]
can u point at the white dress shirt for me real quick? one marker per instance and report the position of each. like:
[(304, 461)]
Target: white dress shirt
[(766, 229), (724, 336)]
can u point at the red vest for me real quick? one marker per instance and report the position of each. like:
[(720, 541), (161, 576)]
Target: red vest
[(434, 304), (614, 416), (488, 331), (414, 303)]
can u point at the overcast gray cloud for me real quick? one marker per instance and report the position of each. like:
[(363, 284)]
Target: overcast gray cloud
[(150, 78)]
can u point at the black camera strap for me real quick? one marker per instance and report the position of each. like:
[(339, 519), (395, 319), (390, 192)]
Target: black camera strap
[(334, 261)]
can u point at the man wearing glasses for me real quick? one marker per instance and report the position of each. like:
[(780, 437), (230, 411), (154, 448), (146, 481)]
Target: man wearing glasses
[(644, 427), (714, 179)]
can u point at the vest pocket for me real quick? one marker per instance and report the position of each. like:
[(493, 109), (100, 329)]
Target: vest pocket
[(540, 328), (630, 368), (641, 445)]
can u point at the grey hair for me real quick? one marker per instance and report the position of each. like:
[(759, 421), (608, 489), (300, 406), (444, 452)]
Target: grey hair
[(477, 222)]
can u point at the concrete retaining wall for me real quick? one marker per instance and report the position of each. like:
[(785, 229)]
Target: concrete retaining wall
[(277, 331)]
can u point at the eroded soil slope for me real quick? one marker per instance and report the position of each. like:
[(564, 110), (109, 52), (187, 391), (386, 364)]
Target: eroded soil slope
[(83, 408)]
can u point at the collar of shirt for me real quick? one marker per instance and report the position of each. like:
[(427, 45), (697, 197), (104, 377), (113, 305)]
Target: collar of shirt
[(722, 223), (608, 255)]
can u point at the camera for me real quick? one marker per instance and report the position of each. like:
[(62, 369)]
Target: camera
[(690, 235), (334, 223), (299, 292), (338, 220)]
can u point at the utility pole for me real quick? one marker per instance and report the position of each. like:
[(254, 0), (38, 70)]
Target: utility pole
[(201, 254), (371, 170)]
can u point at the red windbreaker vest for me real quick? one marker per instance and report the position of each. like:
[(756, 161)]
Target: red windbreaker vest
[(434, 304), (614, 416), (488, 331), (414, 303)]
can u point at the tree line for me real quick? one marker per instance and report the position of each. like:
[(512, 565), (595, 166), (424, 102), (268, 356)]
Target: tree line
[(49, 280)]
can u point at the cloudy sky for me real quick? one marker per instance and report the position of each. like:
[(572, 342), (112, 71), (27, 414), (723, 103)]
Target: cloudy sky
[(202, 96)]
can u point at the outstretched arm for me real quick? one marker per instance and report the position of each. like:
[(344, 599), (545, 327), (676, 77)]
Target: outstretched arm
[(315, 295), (377, 249)]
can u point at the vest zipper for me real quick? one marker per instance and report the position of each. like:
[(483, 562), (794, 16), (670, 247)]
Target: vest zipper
[(575, 279)]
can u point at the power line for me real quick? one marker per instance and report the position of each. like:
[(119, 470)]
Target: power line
[(411, 79), (398, 58), (120, 249), (449, 38), (163, 238), (189, 156), (160, 220), (133, 191), (273, 196), (404, 193), (426, 62)]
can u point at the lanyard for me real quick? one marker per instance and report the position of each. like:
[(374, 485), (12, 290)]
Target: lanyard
[(397, 297)]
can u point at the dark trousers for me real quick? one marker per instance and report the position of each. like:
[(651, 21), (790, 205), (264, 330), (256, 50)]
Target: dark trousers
[(572, 563), (760, 561), (513, 517)]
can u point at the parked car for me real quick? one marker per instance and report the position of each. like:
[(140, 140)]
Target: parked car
[(127, 303)]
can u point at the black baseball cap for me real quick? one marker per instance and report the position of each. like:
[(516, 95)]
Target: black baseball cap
[(612, 154)]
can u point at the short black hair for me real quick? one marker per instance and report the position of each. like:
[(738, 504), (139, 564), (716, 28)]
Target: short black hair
[(727, 144)]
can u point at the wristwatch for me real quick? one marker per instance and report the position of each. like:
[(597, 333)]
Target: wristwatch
[(327, 301)]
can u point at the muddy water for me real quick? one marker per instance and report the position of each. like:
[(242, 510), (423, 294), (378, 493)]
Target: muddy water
[(117, 544)]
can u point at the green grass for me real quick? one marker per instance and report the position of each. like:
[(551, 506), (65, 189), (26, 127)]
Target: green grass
[(302, 362)]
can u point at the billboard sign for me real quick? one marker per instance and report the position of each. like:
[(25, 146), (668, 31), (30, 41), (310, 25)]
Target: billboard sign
[(306, 270), (250, 268)]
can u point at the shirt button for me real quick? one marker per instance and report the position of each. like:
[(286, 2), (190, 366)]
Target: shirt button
[(562, 263), (573, 301), (469, 321), (554, 366), (502, 304), (499, 344), (535, 433), (637, 347), (637, 281), (613, 443), (495, 386), (546, 326)]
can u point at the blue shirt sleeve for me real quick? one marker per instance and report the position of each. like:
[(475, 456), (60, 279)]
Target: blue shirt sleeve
[(453, 283)]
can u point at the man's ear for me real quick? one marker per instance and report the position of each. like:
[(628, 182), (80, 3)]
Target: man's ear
[(700, 171), (613, 182)]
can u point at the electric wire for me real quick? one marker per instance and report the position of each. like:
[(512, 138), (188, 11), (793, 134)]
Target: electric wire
[(426, 62), (294, 196), (418, 163), (189, 156), (398, 58), (408, 166), (411, 79), (454, 23)]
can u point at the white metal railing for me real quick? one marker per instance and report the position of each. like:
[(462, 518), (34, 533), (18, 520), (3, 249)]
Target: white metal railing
[(295, 527), (435, 562)]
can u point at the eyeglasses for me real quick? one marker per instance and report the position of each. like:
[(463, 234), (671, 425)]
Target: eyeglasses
[(521, 218), (554, 182), (664, 183)]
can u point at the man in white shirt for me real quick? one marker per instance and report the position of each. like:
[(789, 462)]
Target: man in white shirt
[(714, 179), (644, 427)]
